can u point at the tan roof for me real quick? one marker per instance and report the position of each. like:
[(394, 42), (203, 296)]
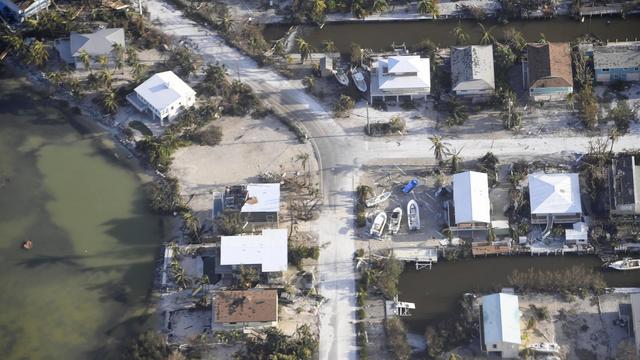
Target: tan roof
[(549, 65), (245, 306)]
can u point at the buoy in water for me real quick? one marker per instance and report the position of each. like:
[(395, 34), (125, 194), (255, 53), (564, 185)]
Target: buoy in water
[(27, 245)]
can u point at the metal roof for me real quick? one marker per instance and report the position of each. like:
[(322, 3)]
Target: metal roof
[(501, 319), (404, 72), (98, 43), (612, 56), (471, 197), (554, 193), (164, 89), (262, 198), (268, 250), (472, 68)]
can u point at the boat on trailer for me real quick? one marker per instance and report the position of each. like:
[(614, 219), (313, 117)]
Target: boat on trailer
[(626, 264), (394, 222), (341, 76), (413, 215), (358, 79), (378, 199), (377, 228)]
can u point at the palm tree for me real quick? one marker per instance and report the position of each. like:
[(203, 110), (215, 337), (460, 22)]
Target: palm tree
[(304, 49), (487, 35), (379, 6), (74, 87), (462, 38), (225, 24), (85, 59), (423, 6), (433, 8), (56, 77), (439, 147), (192, 225), (304, 160), (15, 42), (103, 60), (138, 71), (118, 52), (455, 159), (105, 78), (132, 56), (38, 54), (328, 46), (181, 279), (110, 101)]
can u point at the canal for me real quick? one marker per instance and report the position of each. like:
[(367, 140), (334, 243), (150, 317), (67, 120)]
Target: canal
[(436, 292), (379, 36), (85, 285)]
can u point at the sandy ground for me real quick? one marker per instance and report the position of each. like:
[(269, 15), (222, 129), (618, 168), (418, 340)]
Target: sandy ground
[(584, 328), (249, 148)]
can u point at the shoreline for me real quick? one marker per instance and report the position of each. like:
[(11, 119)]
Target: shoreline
[(106, 140)]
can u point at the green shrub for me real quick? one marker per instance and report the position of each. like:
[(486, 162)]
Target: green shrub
[(343, 105), (360, 314)]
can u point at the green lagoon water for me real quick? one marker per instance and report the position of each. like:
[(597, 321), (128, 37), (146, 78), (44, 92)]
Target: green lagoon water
[(85, 285)]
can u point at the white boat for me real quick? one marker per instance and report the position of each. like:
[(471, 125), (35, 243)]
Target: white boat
[(394, 222), (626, 264), (358, 79), (378, 199), (413, 215), (378, 224), (545, 348), (342, 78)]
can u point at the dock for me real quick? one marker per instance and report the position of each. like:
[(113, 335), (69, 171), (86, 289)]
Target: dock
[(423, 257), (491, 249), (398, 308)]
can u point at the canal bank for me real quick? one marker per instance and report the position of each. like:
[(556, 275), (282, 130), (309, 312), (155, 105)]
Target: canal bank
[(437, 292), (85, 285), (380, 36)]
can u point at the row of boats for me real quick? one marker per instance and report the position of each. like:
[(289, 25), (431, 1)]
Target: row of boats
[(357, 74), (380, 220)]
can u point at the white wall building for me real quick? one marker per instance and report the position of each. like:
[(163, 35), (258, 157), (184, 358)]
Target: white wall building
[(501, 325), (400, 78), (555, 196), (164, 94), (269, 250), (472, 208)]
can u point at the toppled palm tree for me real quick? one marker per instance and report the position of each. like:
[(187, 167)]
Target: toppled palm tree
[(304, 48), (487, 35)]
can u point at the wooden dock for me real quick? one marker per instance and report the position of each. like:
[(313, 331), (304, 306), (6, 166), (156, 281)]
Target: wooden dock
[(501, 249)]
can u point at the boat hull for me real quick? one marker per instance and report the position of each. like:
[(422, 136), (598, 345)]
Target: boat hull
[(413, 215)]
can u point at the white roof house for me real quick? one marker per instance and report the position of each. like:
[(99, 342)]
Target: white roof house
[(472, 70), (262, 198), (554, 194), (165, 94), (501, 324), (402, 75), (268, 250), (471, 197)]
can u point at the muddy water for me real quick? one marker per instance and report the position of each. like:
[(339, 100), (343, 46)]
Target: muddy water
[(380, 36), (85, 284), (437, 291)]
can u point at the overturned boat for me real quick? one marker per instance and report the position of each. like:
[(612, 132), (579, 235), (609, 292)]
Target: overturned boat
[(378, 199), (377, 229), (413, 215), (626, 264), (394, 222)]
